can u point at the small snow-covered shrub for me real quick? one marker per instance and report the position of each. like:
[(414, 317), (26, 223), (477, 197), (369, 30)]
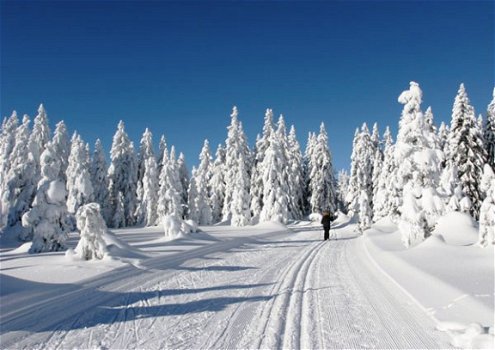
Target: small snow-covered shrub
[(92, 227), (189, 226), (172, 226)]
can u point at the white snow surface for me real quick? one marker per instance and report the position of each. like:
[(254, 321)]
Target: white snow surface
[(263, 286)]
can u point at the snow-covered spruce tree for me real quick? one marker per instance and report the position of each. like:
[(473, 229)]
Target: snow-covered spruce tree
[(419, 165), (122, 175), (361, 169), (364, 214), (443, 134), (308, 168), (342, 188), (465, 148), (262, 144), (295, 176), (79, 186), (184, 181), (145, 152), (62, 146), (92, 227), (382, 203), (147, 212), (487, 210), (489, 132), (99, 180), (202, 179), (48, 217), (275, 186), (169, 195), (217, 184), (241, 215), (193, 210), (378, 159), (237, 152), (162, 146), (19, 186), (322, 182), (7, 142), (40, 134)]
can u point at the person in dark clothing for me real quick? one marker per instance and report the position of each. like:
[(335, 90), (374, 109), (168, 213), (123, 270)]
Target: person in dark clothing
[(325, 221)]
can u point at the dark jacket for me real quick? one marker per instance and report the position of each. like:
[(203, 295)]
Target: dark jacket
[(325, 221)]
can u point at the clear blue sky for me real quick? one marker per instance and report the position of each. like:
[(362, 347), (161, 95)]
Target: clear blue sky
[(178, 68)]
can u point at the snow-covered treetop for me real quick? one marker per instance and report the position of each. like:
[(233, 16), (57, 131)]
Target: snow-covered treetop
[(412, 97)]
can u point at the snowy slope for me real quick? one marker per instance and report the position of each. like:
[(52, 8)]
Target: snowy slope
[(254, 287)]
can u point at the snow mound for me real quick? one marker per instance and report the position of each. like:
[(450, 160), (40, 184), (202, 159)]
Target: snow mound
[(315, 217), (174, 227), (22, 249), (457, 229), (472, 336)]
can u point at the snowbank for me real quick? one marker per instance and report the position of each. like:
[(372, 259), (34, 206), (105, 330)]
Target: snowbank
[(175, 227), (448, 274)]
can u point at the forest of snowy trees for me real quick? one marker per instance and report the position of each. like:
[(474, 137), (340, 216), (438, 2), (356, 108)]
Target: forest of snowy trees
[(45, 179), (427, 173)]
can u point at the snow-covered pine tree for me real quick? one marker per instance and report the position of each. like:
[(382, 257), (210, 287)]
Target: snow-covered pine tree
[(162, 146), (92, 227), (145, 152), (342, 188), (381, 196), (202, 179), (489, 132), (377, 165), (169, 195), (295, 176), (48, 217), (361, 169), (193, 210), (275, 186), (443, 134), (19, 187), (308, 168), (217, 184), (237, 152), (487, 210), (62, 146), (147, 212), (7, 142), (40, 134), (184, 181), (79, 186), (322, 182), (99, 180), (465, 148), (240, 213), (262, 144), (122, 175), (419, 165)]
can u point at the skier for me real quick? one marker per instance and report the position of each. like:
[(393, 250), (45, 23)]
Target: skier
[(325, 221)]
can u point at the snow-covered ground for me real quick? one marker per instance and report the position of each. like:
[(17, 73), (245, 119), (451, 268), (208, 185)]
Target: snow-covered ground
[(265, 286)]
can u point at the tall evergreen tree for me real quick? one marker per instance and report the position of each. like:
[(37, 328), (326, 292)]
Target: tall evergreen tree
[(169, 196), (321, 178), (465, 148), (489, 132), (295, 176), (184, 181), (61, 145), (79, 186), (145, 152), (19, 183), (240, 213), (237, 152), (419, 164), (383, 204), (202, 180), (123, 175), (99, 181), (262, 144), (47, 219), (7, 143), (217, 184)]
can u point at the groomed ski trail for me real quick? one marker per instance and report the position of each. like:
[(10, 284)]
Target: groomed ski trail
[(280, 290)]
